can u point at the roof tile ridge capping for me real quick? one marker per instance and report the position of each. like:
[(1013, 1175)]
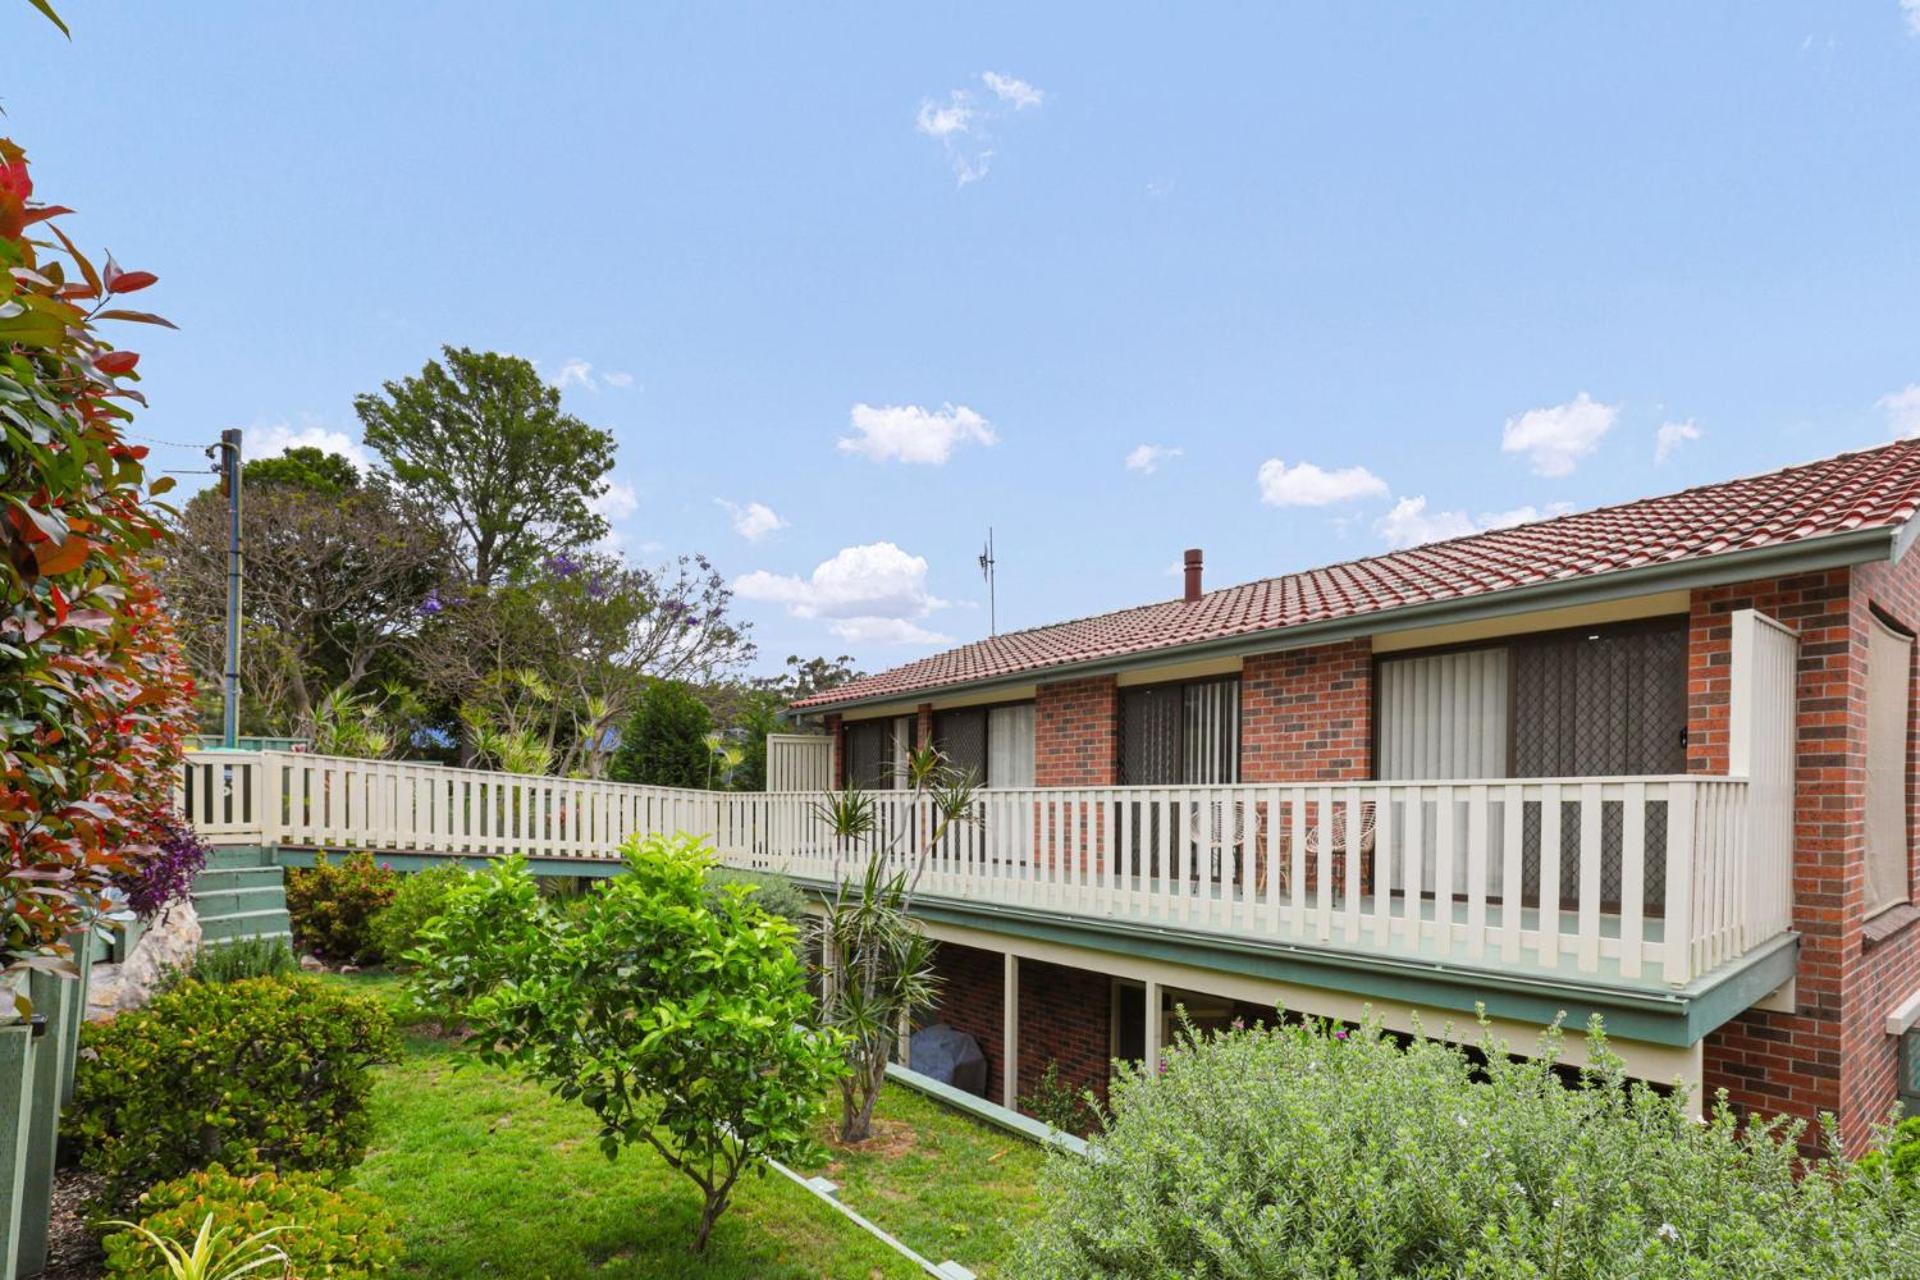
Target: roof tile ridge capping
[(1842, 502)]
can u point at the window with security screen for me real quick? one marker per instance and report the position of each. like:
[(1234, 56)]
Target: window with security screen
[(1180, 734)]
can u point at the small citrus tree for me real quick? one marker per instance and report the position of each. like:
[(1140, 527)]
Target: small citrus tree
[(876, 965), (678, 1024)]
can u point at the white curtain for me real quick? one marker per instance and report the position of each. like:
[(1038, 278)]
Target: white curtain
[(1444, 716), (1010, 746), (1889, 681)]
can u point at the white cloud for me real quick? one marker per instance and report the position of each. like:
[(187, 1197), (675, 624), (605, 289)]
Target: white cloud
[(1671, 436), (272, 441), (1146, 458), (1556, 438), (753, 520), (1911, 8), (875, 593), (886, 631), (1019, 92), (1410, 524), (962, 124), (943, 122), (617, 502), (1305, 485), (1902, 407), (909, 433), (576, 372)]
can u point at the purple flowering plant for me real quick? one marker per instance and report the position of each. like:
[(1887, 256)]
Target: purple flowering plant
[(167, 872)]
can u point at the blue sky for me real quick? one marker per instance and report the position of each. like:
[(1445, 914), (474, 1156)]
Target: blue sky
[(897, 273)]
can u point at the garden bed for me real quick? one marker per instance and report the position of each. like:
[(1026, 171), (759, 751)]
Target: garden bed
[(489, 1174)]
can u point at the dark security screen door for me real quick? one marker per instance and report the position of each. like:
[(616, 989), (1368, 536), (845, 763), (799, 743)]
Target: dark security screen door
[(870, 755), (1601, 704)]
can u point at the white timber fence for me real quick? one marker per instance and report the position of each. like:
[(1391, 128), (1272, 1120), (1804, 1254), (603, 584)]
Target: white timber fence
[(799, 762)]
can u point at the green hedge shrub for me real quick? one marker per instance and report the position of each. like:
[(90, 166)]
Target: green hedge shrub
[(1902, 1156), (333, 906), (338, 1233), (264, 1073), (773, 893), (233, 961), (417, 899), (1310, 1154)]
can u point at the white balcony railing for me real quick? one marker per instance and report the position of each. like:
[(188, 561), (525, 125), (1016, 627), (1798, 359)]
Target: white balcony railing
[(1641, 880), (1644, 880)]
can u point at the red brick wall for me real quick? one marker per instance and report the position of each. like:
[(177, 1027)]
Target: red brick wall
[(1831, 1053), (1307, 714), (923, 726), (1065, 1017), (836, 734), (1077, 733), (973, 1000)]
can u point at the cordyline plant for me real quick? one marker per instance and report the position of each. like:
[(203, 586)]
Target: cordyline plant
[(680, 1020), (875, 963), (94, 697)]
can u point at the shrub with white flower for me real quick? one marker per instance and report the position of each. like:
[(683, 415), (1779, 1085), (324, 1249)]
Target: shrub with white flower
[(1309, 1153)]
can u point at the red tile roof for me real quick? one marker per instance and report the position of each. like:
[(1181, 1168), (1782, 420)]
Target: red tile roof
[(1876, 488)]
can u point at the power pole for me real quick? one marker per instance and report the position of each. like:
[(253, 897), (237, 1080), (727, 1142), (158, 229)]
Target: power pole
[(986, 571), (230, 478)]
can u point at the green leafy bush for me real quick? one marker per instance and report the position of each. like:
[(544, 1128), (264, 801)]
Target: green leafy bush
[(678, 1026), (772, 892), (663, 744), (234, 961), (333, 906), (1055, 1102), (1314, 1154), (1901, 1155), (323, 1231), (417, 899), (264, 1073)]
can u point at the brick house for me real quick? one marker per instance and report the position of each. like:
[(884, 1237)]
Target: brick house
[(1654, 762)]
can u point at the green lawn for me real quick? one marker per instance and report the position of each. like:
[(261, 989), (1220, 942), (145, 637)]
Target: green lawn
[(490, 1175)]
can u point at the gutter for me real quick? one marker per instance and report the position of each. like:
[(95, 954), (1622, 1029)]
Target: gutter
[(1828, 551)]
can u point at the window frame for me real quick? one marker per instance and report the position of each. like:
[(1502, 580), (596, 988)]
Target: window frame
[(986, 728), (1236, 678)]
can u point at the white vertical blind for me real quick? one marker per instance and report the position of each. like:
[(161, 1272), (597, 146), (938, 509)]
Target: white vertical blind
[(1889, 680), (1444, 715), (1010, 746)]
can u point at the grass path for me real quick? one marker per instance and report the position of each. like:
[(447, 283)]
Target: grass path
[(491, 1176)]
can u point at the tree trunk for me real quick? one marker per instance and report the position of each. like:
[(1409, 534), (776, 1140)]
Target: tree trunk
[(709, 1214)]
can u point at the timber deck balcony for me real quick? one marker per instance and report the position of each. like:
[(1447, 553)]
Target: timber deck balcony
[(1647, 881), (1653, 883)]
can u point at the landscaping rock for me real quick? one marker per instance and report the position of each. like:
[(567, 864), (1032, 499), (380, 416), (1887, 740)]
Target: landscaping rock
[(313, 964), (949, 1056), (168, 943)]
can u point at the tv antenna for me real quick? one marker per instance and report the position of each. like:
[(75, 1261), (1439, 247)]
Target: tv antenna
[(986, 571)]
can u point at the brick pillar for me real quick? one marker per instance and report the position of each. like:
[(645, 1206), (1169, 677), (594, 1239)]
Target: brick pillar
[(923, 726), (1772, 1062), (1077, 733), (1306, 715)]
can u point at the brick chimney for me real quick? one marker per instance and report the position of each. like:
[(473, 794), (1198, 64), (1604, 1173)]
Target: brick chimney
[(1193, 573)]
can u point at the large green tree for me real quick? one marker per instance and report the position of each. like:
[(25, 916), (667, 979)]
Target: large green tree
[(335, 576), (485, 442), (664, 743)]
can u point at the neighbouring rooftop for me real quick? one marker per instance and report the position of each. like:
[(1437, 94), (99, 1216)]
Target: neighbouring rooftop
[(1874, 489)]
